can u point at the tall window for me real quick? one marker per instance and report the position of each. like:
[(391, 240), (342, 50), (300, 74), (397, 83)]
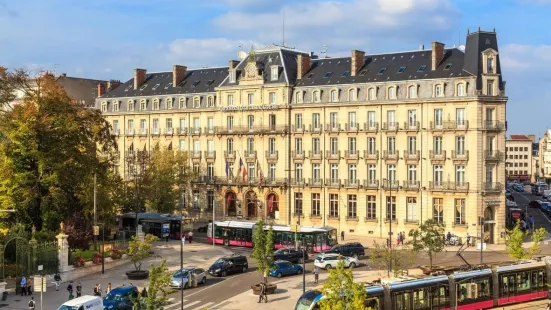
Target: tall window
[(352, 174), (316, 146), (182, 145), (272, 172), (352, 120), (371, 121), (392, 92), (298, 120), (352, 145), (229, 145), (334, 173), (169, 123), (251, 171), (143, 125), (230, 123), (104, 106), (438, 177), (316, 96), (391, 145), (352, 206), (143, 105), (272, 121), (460, 174), (298, 173), (210, 124), (412, 93), (334, 144), (182, 103), (196, 102), (438, 145), (412, 145), (371, 94), (274, 73), (196, 146), (230, 100), (196, 124), (411, 209), (371, 208), (371, 173), (116, 106), (210, 102), (316, 204), (210, 171), (316, 176), (116, 126), (250, 145), (130, 105), (250, 99), (298, 146), (334, 95), (490, 65), (490, 88), (461, 89), (272, 96), (299, 97), (271, 146), (460, 116), (210, 200), (130, 125), (156, 126), (460, 211), (250, 122), (412, 173), (391, 173), (169, 103), (352, 94), (210, 146), (333, 205), (316, 120), (438, 91), (371, 145), (412, 118), (391, 118), (333, 119), (391, 207), (298, 203), (183, 125), (460, 145), (438, 210), (438, 118)]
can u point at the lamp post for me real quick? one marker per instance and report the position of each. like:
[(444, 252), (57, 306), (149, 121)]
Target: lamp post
[(182, 249)]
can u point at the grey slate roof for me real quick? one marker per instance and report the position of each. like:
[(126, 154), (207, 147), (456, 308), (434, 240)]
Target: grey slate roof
[(207, 80), (478, 42), (411, 63), (80, 89)]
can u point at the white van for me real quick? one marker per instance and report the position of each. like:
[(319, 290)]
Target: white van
[(547, 193), (86, 302)]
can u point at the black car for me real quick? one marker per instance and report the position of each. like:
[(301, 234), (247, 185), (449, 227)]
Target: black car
[(353, 249), (229, 264), (291, 255)]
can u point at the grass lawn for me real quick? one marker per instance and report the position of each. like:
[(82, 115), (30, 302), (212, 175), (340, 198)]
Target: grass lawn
[(88, 254)]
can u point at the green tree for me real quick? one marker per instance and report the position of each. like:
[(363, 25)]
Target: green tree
[(79, 232), (514, 244), (428, 238), (383, 258), (157, 289), (263, 249), (341, 291), (139, 250)]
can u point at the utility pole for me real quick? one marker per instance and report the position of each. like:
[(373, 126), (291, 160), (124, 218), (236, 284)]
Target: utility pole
[(390, 229), (481, 239), (95, 212), (182, 250)]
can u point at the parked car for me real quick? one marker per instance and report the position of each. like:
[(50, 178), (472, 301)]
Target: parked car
[(120, 298), (284, 268), (229, 264), (328, 261), (291, 255), (354, 249), (535, 204), (519, 188), (185, 275), (546, 207)]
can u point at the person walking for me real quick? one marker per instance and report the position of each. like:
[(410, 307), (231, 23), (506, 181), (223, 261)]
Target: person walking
[(262, 296), (144, 292), (109, 288), (398, 239), (531, 221), (29, 286), (32, 304), (190, 236), (79, 289), (316, 274), (96, 290), (342, 235), (57, 279), (23, 285), (70, 290), (468, 240)]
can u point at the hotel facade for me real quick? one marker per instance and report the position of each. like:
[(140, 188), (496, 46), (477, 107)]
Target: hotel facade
[(364, 143)]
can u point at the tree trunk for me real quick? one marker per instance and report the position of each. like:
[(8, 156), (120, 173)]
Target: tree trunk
[(430, 260)]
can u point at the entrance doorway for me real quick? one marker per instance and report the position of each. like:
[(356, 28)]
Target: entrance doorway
[(489, 227), (231, 202)]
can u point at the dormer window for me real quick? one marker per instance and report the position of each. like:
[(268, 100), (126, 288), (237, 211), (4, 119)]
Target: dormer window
[(334, 95), (461, 90), (210, 102), (274, 74), (490, 65), (116, 106), (299, 97), (130, 106), (412, 92), (232, 76), (316, 96), (143, 105), (392, 92), (490, 88), (104, 106), (196, 102), (182, 103), (155, 104), (372, 94), (438, 91), (352, 94)]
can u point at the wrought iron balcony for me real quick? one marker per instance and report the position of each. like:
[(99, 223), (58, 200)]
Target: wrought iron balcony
[(210, 155), (182, 131), (209, 130), (437, 186), (494, 155), (142, 132), (315, 154), (334, 183), (493, 187), (460, 155), (412, 185), (351, 154), (437, 155), (411, 126), (494, 125), (449, 186), (391, 184), (415, 155), (301, 182), (333, 155), (456, 125), (250, 154), (332, 127), (436, 125), (390, 126), (196, 154), (314, 129), (371, 155), (371, 127), (156, 132), (273, 155), (298, 128), (352, 183), (297, 154), (390, 155), (168, 131), (371, 184), (352, 127), (315, 182), (196, 130), (229, 155), (459, 186)]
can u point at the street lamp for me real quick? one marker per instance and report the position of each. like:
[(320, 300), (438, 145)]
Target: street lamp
[(182, 248)]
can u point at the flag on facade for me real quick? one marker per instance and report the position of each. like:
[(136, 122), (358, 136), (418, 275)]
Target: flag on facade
[(227, 169), (244, 173), (259, 172), (242, 169)]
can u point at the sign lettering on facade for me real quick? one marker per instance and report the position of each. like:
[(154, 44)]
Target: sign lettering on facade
[(492, 202), (250, 108)]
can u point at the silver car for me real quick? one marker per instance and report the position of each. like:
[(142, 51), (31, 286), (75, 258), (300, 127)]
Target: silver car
[(330, 260), (186, 275)]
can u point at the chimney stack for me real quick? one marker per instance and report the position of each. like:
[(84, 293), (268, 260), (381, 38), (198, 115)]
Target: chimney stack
[(178, 74), (303, 65), (139, 77), (233, 64), (357, 61), (101, 89), (437, 54), (112, 84)]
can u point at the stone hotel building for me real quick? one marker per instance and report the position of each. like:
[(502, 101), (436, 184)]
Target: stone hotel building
[(358, 143)]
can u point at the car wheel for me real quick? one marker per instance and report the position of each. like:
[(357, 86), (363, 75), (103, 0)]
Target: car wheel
[(244, 269), (279, 275), (327, 267), (185, 286), (224, 273), (352, 265), (226, 242), (204, 281), (355, 255), (299, 271)]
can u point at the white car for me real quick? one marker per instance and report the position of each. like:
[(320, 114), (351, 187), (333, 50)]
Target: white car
[(328, 261), (185, 274)]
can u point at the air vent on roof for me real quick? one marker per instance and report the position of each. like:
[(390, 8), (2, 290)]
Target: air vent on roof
[(195, 83), (327, 75), (156, 85), (448, 66), (168, 85), (422, 68), (345, 73), (401, 69), (381, 71)]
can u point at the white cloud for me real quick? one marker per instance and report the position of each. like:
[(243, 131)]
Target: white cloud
[(525, 58)]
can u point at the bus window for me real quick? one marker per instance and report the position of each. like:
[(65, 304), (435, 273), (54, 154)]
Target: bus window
[(523, 281), (402, 301), (421, 299), (372, 303)]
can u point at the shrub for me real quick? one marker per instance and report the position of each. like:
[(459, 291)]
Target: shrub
[(79, 261), (96, 259), (116, 254)]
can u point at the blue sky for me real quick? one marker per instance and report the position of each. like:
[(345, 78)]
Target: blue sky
[(108, 38)]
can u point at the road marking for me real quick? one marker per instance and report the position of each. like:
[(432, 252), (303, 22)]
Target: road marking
[(225, 302), (173, 305), (191, 304), (215, 284), (171, 299), (204, 306)]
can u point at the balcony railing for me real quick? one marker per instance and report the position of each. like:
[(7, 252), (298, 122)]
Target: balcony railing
[(209, 130), (180, 131), (352, 183), (332, 127), (352, 127), (437, 155), (274, 181), (415, 155), (195, 130), (436, 125), (315, 182), (297, 154), (456, 125), (272, 154), (462, 155), (371, 155), (250, 154), (459, 186), (333, 155), (351, 154), (315, 154), (391, 184), (371, 184), (317, 129), (301, 182), (412, 185), (335, 183), (449, 186), (493, 187), (390, 155), (156, 132), (494, 155), (371, 127), (298, 128), (210, 154), (390, 126), (196, 154), (411, 126), (142, 132), (229, 154), (494, 125), (437, 185)]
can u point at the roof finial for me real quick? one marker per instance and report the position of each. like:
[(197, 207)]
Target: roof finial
[(478, 28), (252, 55), (494, 29), (468, 31)]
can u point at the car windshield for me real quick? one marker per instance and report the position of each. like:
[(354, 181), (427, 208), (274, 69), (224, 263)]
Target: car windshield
[(306, 300), (180, 273), (220, 261), (335, 247), (114, 297)]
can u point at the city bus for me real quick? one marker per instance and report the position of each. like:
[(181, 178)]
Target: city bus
[(240, 233), (152, 223), (538, 188)]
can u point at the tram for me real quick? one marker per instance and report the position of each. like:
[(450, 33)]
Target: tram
[(152, 223)]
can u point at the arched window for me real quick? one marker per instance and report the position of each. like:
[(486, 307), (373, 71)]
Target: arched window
[(210, 102), (115, 105), (372, 94), (155, 104), (130, 105), (143, 105), (392, 92), (412, 93), (352, 94), (196, 102), (438, 91), (298, 97), (461, 89), (103, 106), (316, 96), (334, 95), (169, 104), (182, 103)]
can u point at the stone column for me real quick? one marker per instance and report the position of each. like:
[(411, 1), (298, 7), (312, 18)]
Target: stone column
[(63, 252)]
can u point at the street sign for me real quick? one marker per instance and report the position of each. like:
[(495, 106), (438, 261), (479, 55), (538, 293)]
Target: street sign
[(40, 267), (166, 230), (107, 247), (96, 230), (40, 284)]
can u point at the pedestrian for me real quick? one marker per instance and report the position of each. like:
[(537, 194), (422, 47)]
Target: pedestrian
[(190, 236), (342, 235), (388, 242), (100, 292), (23, 286), (316, 274), (57, 279), (403, 237), (398, 239), (468, 240), (79, 289), (71, 296), (262, 296), (70, 290), (96, 290), (32, 304), (29, 286), (531, 220), (448, 236), (109, 288), (144, 292)]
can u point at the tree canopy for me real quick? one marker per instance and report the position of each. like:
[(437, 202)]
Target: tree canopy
[(263, 248), (428, 238), (515, 243), (341, 292)]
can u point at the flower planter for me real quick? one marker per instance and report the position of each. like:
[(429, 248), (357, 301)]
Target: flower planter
[(270, 289), (137, 275)]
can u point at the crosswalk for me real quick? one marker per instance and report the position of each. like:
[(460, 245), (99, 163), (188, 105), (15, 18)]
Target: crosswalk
[(174, 304)]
